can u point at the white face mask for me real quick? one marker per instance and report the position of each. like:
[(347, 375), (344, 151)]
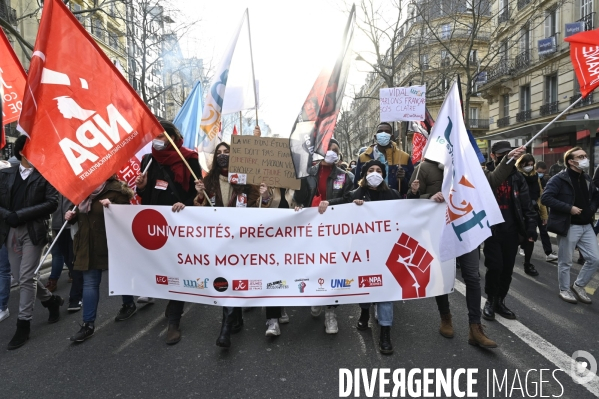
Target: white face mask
[(374, 179), (158, 145), (331, 157), (527, 169), (584, 164)]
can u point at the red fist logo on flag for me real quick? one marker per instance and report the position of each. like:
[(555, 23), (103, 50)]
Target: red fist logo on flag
[(410, 265)]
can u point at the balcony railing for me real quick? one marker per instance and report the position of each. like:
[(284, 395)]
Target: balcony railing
[(503, 122), (549, 108), (588, 21), (522, 4), (586, 101), (522, 60), (503, 67), (523, 116), (504, 16), (478, 123)]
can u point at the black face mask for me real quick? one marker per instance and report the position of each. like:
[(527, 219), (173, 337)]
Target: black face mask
[(222, 160), (498, 160)]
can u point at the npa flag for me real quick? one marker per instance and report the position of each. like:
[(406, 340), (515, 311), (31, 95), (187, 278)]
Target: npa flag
[(471, 205), (584, 53), (83, 118), (316, 122), (12, 85), (421, 131), (189, 117)]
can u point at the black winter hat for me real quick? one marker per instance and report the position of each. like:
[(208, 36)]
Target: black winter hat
[(370, 163)]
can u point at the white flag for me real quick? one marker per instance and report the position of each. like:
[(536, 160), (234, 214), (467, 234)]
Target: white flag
[(471, 205)]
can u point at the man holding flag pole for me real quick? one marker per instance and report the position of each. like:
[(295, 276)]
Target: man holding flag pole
[(464, 188)]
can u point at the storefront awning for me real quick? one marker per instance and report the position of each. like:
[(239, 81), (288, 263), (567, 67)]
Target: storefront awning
[(559, 127)]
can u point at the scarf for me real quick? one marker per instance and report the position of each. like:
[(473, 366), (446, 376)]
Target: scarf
[(85, 206), (171, 158)]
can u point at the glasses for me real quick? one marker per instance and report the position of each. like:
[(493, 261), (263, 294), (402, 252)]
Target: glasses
[(581, 156)]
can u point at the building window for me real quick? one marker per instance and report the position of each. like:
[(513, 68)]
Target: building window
[(503, 50), (525, 39), (551, 22), (445, 31), (505, 106), (98, 29), (586, 7), (474, 57), (444, 84), (473, 114), (525, 98), (113, 40), (550, 89), (424, 61)]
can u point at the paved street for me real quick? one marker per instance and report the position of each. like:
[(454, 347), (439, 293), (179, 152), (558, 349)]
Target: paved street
[(130, 360)]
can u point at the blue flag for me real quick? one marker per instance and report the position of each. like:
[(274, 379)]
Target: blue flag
[(481, 157), (189, 117)]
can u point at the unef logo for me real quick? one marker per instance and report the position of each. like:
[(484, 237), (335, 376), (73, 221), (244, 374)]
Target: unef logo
[(197, 283), (341, 283)]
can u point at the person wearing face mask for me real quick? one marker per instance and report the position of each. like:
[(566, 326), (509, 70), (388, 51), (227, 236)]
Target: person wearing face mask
[(325, 182), (398, 164), (501, 248), (167, 182), (224, 194), (26, 202), (428, 186), (541, 168), (372, 187), (572, 199), (526, 166)]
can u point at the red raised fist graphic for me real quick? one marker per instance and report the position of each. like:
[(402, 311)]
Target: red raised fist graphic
[(410, 265)]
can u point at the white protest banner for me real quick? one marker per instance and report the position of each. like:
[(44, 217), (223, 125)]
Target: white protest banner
[(383, 251), (403, 103)]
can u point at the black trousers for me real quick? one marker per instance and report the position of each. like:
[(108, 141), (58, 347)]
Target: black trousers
[(500, 255), (174, 311), (273, 312)]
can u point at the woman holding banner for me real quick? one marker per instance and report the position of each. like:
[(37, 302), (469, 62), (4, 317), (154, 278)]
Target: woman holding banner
[(90, 246), (372, 187), (169, 182), (224, 194)]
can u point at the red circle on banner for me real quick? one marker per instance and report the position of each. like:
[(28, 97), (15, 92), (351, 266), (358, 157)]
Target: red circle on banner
[(150, 229)]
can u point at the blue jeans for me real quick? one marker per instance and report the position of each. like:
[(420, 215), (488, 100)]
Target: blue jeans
[(585, 239), (91, 294), (385, 312), (4, 278)]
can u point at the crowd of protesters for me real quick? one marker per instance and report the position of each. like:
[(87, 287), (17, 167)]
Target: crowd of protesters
[(533, 202)]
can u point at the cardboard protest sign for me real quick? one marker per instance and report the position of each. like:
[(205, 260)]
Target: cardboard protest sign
[(403, 103), (256, 160)]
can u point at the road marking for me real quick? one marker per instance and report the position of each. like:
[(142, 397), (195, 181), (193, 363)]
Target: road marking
[(141, 333), (538, 343)]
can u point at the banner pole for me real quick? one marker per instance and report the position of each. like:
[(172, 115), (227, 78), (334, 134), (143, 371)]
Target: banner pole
[(186, 164), (549, 124), (252, 61), (53, 242)]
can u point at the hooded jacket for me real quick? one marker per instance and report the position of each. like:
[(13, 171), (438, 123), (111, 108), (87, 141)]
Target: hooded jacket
[(559, 198), (395, 158)]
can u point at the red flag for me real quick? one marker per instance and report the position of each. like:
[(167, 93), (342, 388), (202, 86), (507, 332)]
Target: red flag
[(12, 85), (421, 131), (235, 131), (84, 120), (584, 53)]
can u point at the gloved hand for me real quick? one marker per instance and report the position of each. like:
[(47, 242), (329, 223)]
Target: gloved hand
[(401, 172), (12, 219)]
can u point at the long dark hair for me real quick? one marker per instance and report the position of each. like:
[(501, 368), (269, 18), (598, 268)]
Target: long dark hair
[(212, 183)]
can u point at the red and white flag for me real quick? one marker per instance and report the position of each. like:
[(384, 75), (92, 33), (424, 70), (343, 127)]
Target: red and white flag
[(12, 85), (584, 53), (83, 118)]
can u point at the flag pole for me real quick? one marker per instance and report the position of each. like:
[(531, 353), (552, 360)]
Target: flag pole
[(550, 123), (186, 164), (53, 242), (240, 124), (252, 61)]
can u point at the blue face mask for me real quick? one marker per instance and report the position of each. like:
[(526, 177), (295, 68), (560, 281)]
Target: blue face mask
[(383, 139), (541, 175)]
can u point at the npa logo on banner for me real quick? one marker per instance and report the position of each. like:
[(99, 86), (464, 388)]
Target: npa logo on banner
[(268, 257), (471, 205), (84, 120)]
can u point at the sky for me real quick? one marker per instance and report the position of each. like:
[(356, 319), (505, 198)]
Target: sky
[(291, 41)]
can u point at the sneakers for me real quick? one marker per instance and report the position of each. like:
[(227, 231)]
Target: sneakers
[(568, 296), (521, 252), (4, 314), (127, 310), (330, 321), (529, 269), (74, 306), (551, 257), (145, 299), (315, 311), (284, 319), (581, 294), (86, 331), (272, 328)]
